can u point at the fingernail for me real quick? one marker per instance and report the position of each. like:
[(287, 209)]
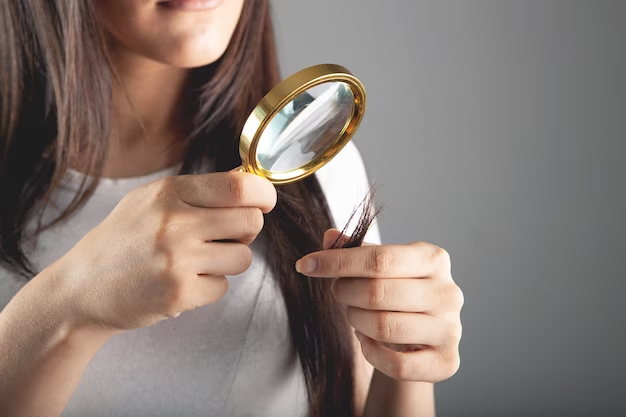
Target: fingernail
[(306, 265)]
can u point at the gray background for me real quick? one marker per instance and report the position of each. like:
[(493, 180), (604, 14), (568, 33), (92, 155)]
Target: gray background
[(496, 129)]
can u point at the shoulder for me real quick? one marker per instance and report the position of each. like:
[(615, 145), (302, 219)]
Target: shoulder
[(345, 183)]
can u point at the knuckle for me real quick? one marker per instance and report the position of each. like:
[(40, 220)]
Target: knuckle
[(383, 260), (452, 333), (235, 187), (163, 256), (384, 326), (252, 219), (451, 365), (174, 226), (273, 196), (340, 261), (257, 221), (458, 298), (399, 368), (337, 288), (437, 255), (220, 288), (453, 296), (457, 332), (245, 257), (441, 257), (167, 225), (443, 365), (377, 293)]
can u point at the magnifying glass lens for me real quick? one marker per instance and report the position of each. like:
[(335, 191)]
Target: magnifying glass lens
[(306, 127)]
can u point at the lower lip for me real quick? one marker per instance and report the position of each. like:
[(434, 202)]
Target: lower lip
[(190, 5)]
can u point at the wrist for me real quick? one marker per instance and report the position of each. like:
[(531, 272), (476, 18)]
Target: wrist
[(390, 397), (43, 349), (58, 303), (403, 388)]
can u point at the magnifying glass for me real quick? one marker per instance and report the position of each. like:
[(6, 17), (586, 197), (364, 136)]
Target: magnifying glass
[(302, 123)]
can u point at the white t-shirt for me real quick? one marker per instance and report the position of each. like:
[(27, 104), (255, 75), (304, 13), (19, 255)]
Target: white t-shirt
[(230, 358)]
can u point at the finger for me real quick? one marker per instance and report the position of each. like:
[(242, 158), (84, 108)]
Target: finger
[(379, 261), (408, 295), (217, 258), (225, 189), (334, 236), (429, 365), (202, 290), (240, 224), (399, 327)]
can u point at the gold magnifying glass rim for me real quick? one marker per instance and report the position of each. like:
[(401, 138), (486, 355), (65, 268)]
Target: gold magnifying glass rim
[(280, 96)]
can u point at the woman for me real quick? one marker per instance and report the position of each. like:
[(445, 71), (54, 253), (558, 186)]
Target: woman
[(103, 245)]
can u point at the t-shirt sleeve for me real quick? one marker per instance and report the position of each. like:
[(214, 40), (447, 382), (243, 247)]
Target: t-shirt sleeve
[(345, 183)]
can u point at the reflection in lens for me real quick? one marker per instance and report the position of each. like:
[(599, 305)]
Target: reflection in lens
[(306, 127)]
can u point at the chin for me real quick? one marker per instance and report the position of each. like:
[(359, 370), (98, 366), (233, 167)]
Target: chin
[(172, 36), (188, 54)]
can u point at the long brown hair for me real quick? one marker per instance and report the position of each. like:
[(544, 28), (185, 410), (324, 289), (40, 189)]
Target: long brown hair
[(55, 92)]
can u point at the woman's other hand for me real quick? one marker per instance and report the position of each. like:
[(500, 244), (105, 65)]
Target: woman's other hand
[(164, 249), (402, 302)]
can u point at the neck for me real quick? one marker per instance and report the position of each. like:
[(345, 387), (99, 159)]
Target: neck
[(148, 115)]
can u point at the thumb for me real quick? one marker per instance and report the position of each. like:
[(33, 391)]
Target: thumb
[(331, 237)]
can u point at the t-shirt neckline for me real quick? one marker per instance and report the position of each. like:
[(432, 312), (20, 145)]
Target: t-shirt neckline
[(74, 178)]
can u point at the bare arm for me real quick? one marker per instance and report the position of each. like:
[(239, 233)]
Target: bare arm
[(43, 354), (158, 254), (391, 398)]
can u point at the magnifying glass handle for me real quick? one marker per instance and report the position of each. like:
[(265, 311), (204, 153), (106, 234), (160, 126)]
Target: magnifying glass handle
[(240, 168)]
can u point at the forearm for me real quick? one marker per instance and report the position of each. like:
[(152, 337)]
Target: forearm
[(390, 398), (42, 353)]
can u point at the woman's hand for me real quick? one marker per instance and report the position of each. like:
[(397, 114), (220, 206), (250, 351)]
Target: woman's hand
[(401, 301), (164, 249)]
